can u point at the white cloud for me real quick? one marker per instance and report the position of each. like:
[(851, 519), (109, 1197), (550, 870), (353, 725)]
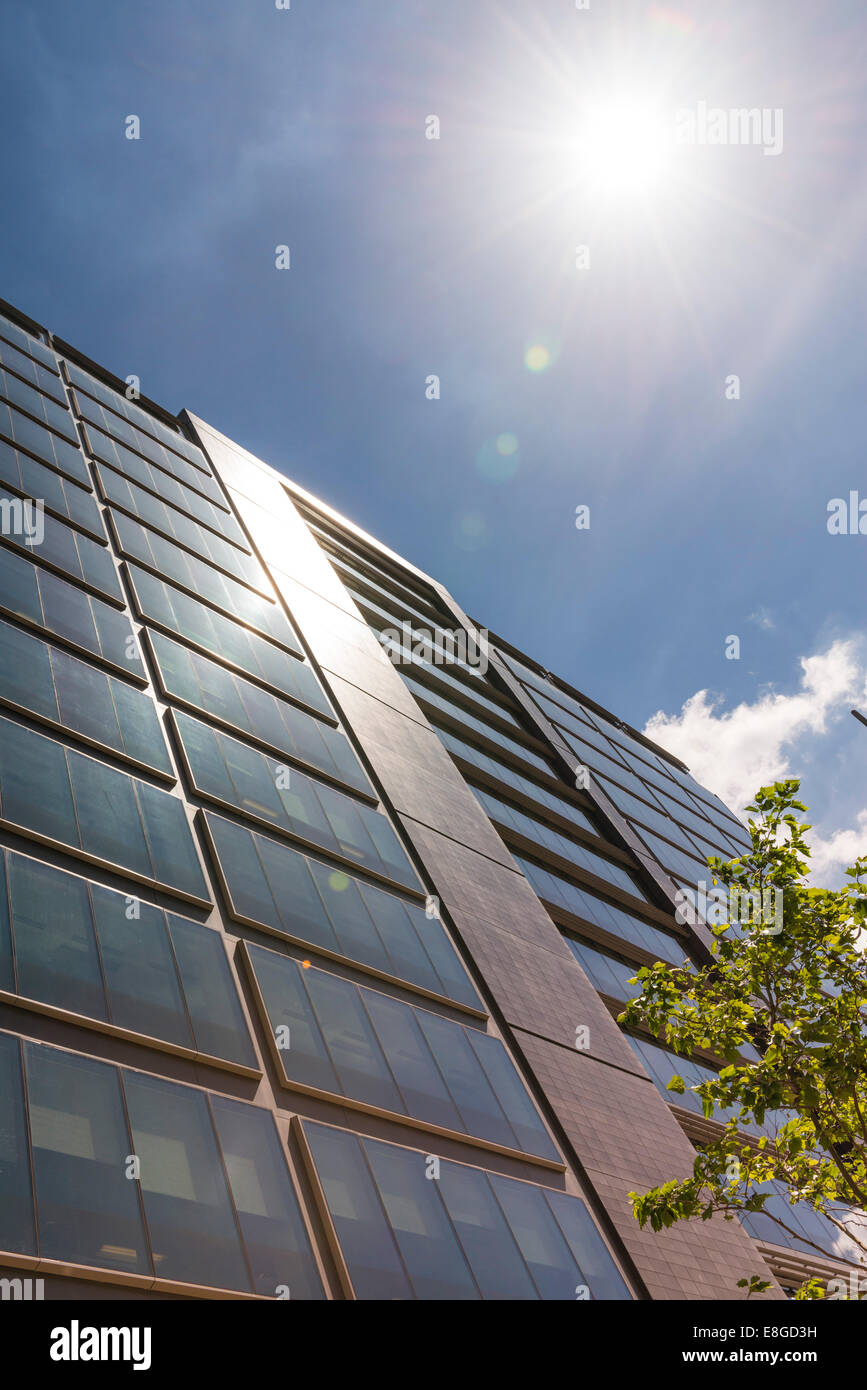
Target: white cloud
[(830, 856), (735, 752), (762, 619)]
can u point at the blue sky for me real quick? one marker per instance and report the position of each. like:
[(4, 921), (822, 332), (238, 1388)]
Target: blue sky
[(409, 257)]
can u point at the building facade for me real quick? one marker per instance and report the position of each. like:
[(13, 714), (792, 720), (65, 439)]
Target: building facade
[(318, 903)]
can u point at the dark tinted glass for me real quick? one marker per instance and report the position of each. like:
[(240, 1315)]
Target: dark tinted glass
[(113, 816), (358, 1059), (490, 1248), (7, 970), (192, 1227), (421, 1084), (17, 1230), (48, 682), (180, 527), (478, 1106), (170, 608), (420, 1224), (383, 1052), (55, 949), (587, 1246), (241, 776), (272, 1228), (143, 990), (197, 681), (58, 453), (89, 1210), (540, 1239), (50, 542), (358, 1216), (292, 1021), (209, 989), (70, 502)]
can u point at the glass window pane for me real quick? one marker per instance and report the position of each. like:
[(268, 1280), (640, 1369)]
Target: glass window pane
[(489, 1245), (358, 1059), (172, 850), (302, 912), (7, 972), (352, 922), (271, 1224), (456, 983), (19, 591), (192, 1227), (140, 728), (17, 1230), (68, 612), (242, 871), (88, 1210), (34, 784), (588, 1248), (108, 815), (209, 989), (539, 1238), (415, 1071), (512, 1095), (143, 990), (55, 947), (292, 1021), (25, 672), (408, 958), (359, 1220), (431, 1253), (479, 1108), (85, 699)]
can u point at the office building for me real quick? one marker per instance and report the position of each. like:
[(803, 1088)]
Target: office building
[(314, 926)]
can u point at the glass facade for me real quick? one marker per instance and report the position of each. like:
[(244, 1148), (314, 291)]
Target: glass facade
[(244, 969)]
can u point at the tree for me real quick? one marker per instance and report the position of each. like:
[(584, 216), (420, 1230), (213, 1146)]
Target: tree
[(782, 1006)]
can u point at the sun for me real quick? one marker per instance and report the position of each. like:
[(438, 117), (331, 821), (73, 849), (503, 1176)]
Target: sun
[(623, 146)]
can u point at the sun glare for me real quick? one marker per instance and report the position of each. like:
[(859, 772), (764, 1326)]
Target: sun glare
[(623, 147)]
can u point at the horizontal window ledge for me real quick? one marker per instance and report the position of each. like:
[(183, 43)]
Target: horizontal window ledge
[(182, 894), (92, 433), (584, 838), (68, 435), (365, 1108), (477, 776), (173, 506), (111, 1030), (194, 646), (787, 1264), (568, 869), (323, 952), (57, 639), (563, 917), (437, 715), (91, 533), (292, 761), (165, 776), (200, 598), (339, 861), (99, 1274), (31, 552), (598, 936), (262, 590), (66, 473)]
